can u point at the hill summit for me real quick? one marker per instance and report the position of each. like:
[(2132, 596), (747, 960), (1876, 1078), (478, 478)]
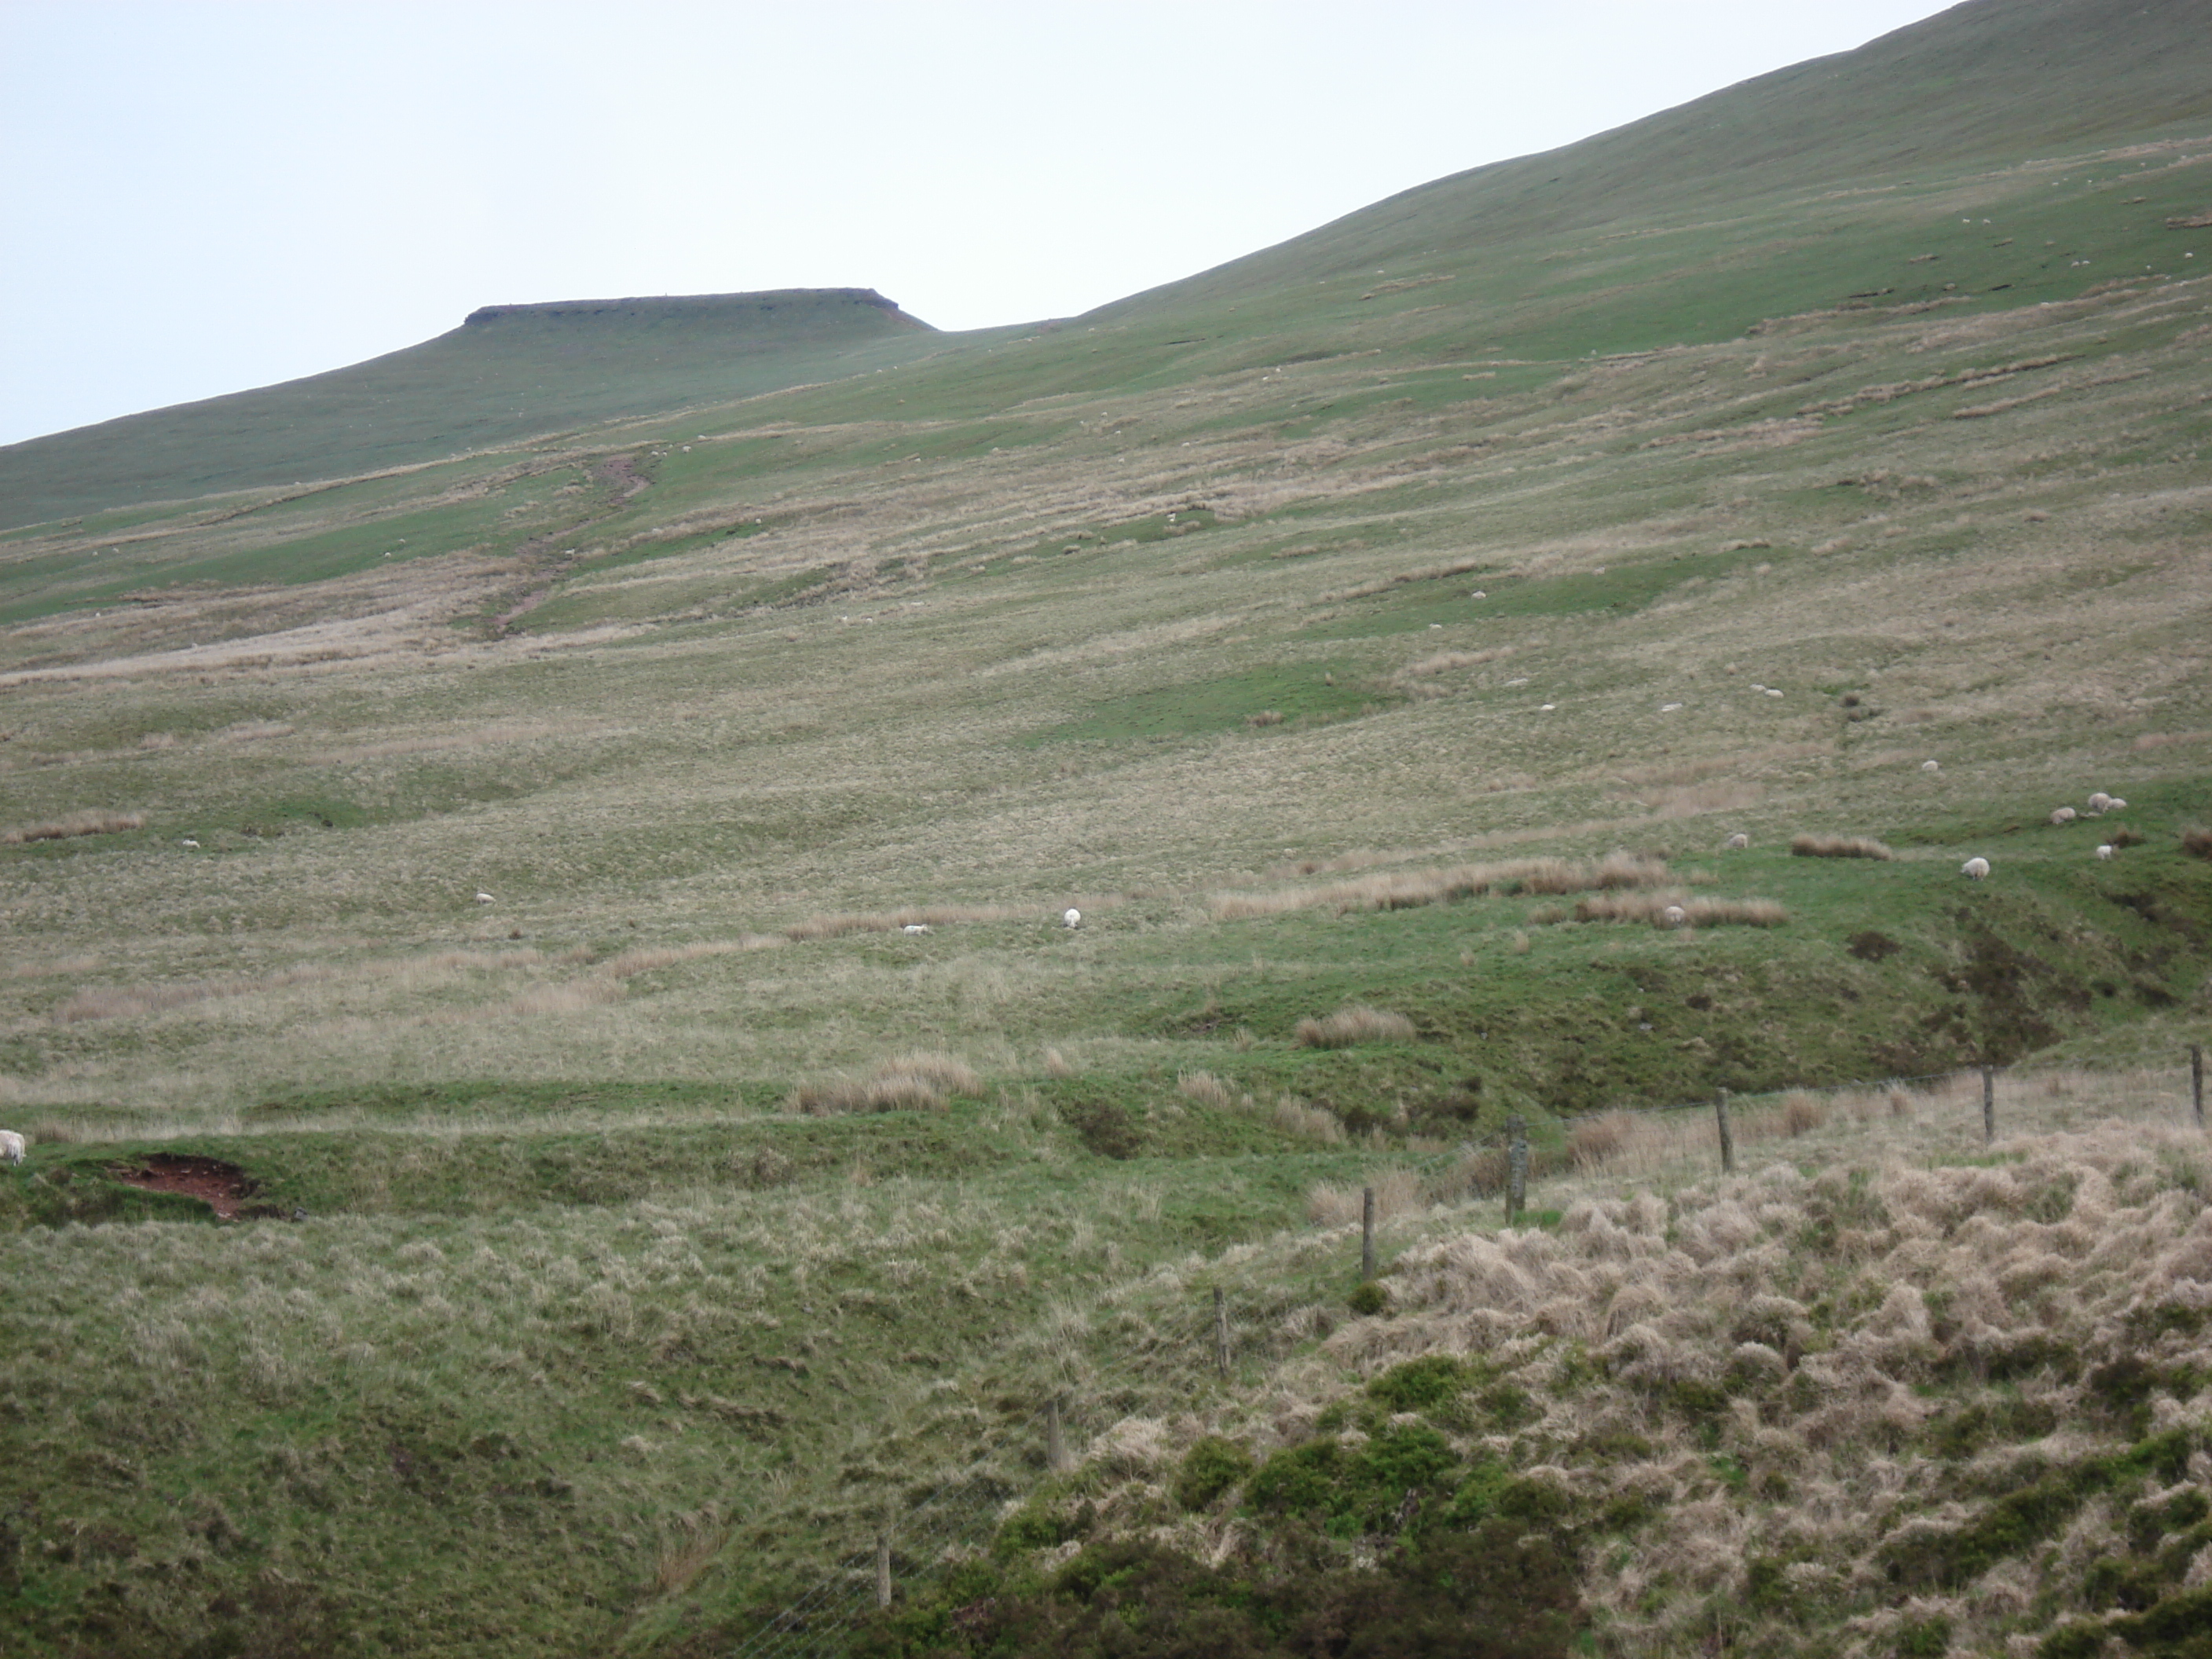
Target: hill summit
[(508, 373)]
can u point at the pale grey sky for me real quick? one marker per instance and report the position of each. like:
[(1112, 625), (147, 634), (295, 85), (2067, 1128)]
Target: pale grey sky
[(200, 196)]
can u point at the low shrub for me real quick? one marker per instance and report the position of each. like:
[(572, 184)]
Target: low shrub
[(1209, 1468)]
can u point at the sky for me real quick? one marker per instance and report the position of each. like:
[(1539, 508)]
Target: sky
[(201, 195)]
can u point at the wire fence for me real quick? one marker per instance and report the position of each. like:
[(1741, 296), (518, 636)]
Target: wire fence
[(1940, 1112)]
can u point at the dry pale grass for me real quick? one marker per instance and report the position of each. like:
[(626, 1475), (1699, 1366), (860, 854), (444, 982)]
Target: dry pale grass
[(1408, 888), (36, 970), (1839, 846), (1397, 1192), (906, 1083), (2051, 1252), (1357, 1024), (570, 998), (1801, 1113), (1653, 908), (1205, 1088), (1595, 1142), (645, 958), (695, 1543), (1297, 1117), (891, 921), (1056, 1064), (76, 824)]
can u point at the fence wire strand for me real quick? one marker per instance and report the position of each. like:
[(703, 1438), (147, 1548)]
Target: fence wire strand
[(815, 1624)]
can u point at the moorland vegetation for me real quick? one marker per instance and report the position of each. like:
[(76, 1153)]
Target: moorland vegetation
[(597, 888)]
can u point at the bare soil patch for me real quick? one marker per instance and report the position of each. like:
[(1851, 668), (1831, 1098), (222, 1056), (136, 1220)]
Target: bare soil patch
[(225, 1187)]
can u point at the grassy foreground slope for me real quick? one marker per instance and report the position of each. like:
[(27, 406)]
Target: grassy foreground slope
[(625, 1245), (508, 372)]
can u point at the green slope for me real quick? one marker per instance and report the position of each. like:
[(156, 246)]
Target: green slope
[(1993, 80), (508, 372)]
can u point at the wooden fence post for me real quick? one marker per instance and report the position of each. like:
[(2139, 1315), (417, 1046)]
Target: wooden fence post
[(1517, 1167), (1988, 1104), (1221, 1335), (1055, 1438), (882, 1569), (1728, 1138), (1367, 1232), (2197, 1079)]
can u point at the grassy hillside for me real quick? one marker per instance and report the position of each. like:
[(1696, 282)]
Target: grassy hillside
[(508, 372), (592, 908)]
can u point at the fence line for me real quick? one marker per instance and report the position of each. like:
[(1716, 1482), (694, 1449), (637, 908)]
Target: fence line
[(812, 1625)]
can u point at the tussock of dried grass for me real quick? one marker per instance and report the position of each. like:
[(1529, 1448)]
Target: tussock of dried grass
[(1404, 890), (76, 824), (1357, 1023), (1652, 907), (1294, 1116), (1205, 1088), (1801, 1113), (1825, 1303), (1593, 1142), (697, 1541), (1397, 1192), (1839, 846), (919, 1081)]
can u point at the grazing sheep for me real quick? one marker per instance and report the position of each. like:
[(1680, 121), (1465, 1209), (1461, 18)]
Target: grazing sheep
[(1736, 843), (1072, 919), (483, 898), (2100, 803), (916, 927), (188, 842), (2105, 853), (11, 1147), (2064, 815), (1674, 916), (1975, 869), (1930, 766), (2115, 805)]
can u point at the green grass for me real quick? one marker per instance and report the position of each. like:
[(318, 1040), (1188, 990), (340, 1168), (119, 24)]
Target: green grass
[(583, 1345)]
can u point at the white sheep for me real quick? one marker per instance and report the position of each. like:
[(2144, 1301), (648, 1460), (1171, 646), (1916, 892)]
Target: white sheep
[(1930, 766), (1975, 869), (915, 927), (2064, 815), (2100, 803), (1072, 919), (1675, 916), (483, 898), (11, 1147), (2105, 853), (2115, 805), (1737, 842), (188, 842)]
